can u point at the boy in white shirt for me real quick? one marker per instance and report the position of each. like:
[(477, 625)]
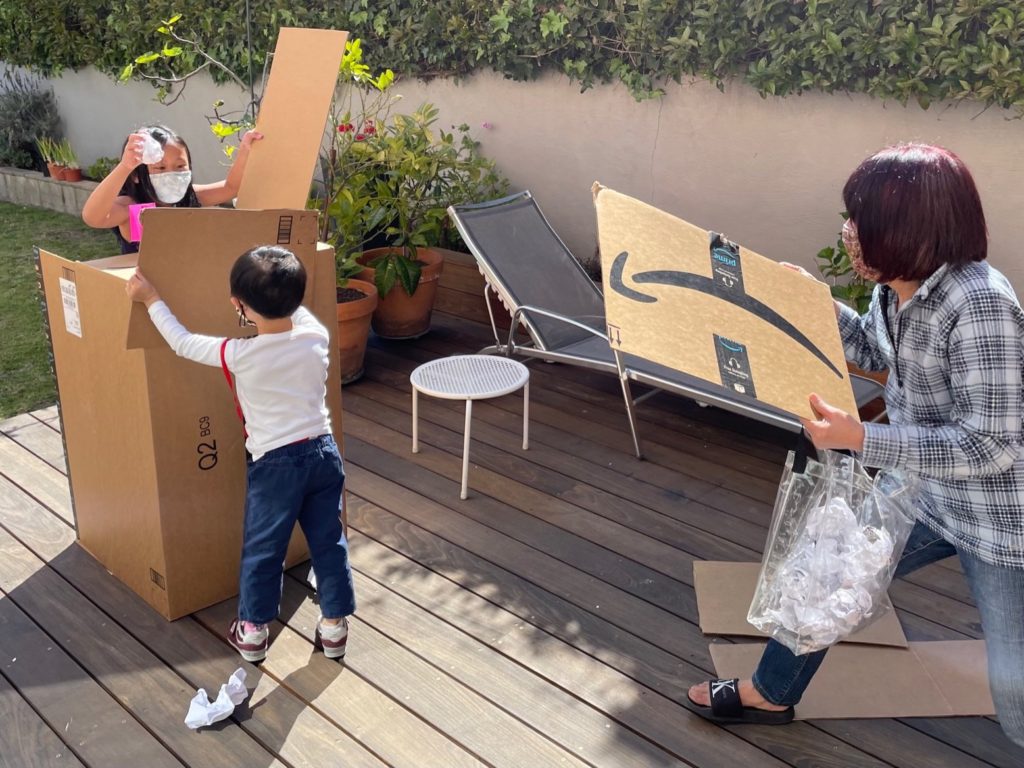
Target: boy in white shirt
[(295, 472)]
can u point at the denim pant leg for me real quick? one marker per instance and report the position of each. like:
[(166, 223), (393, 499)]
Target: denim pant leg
[(782, 676), (999, 594), (273, 498), (320, 518)]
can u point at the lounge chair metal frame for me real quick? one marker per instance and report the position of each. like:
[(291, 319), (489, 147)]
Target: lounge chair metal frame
[(602, 356)]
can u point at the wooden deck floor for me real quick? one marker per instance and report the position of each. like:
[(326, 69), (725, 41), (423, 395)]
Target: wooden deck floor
[(548, 620)]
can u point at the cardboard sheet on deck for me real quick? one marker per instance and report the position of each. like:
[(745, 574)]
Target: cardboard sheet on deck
[(303, 76), (724, 592), (931, 679), (741, 321)]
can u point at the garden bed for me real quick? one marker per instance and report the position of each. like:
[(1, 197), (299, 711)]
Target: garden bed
[(23, 187)]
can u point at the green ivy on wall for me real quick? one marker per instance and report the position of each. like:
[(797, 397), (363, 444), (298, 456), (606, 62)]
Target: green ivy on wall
[(906, 50)]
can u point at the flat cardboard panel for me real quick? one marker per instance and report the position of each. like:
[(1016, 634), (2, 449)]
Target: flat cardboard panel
[(188, 253), (107, 431), (670, 300), (292, 116), (725, 590), (932, 679)]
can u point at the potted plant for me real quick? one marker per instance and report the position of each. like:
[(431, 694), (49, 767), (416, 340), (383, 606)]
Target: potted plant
[(357, 299), (388, 180), (68, 159), (49, 150)]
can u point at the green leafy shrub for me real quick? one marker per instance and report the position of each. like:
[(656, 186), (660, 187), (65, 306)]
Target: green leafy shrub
[(27, 112), (98, 170), (907, 50)]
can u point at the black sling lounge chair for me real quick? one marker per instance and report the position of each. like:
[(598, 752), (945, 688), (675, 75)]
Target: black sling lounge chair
[(532, 272)]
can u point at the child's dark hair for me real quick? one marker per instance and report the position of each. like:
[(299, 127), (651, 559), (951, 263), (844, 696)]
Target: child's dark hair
[(270, 279), (138, 185)]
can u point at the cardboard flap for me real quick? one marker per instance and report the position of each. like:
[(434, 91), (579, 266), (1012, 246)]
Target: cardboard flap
[(688, 299), (292, 116), (188, 253), (927, 679), (725, 590)]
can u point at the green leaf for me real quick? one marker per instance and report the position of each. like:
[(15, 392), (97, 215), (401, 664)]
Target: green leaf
[(126, 73), (171, 51), (146, 58)]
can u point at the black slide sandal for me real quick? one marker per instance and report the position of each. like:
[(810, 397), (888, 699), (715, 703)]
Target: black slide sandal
[(727, 709)]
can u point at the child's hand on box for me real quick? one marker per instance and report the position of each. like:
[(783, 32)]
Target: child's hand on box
[(139, 288)]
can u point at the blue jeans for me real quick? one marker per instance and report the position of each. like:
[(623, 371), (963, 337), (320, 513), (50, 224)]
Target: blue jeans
[(299, 482), (781, 677)]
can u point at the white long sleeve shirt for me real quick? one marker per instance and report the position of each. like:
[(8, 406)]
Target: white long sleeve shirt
[(280, 378)]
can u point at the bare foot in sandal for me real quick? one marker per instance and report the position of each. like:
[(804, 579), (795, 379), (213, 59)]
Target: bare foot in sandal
[(749, 697), (736, 701)]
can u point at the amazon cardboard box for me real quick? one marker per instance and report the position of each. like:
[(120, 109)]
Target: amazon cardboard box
[(691, 300), (874, 673), (155, 449)]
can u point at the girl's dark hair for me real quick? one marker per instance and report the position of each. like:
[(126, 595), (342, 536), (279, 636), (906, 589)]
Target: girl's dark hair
[(270, 279), (915, 207), (138, 185)]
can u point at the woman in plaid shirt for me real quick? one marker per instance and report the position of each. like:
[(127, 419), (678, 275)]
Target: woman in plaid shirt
[(950, 331)]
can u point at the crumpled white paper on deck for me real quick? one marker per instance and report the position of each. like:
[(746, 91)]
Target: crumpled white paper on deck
[(202, 711)]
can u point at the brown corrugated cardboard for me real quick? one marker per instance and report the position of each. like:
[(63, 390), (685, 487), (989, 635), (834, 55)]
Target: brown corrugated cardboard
[(876, 673), (724, 591), (933, 679), (155, 449), (728, 316), (292, 116)]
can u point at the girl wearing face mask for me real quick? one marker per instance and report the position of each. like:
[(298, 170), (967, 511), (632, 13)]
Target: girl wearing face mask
[(165, 181)]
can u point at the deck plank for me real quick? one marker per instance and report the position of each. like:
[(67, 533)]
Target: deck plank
[(564, 718), (138, 679), (35, 477), (556, 601), (464, 716), (36, 437), (94, 724), (26, 741)]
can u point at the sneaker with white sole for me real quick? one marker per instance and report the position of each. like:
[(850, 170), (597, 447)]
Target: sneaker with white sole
[(252, 645), (331, 639)]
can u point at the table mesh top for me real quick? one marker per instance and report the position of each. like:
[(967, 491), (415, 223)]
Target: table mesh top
[(470, 376)]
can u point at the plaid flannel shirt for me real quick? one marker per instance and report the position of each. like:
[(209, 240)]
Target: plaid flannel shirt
[(955, 399)]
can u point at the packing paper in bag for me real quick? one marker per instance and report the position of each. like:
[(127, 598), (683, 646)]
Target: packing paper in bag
[(836, 537)]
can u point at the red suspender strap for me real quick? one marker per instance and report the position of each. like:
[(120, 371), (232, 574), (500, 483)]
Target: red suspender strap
[(231, 383)]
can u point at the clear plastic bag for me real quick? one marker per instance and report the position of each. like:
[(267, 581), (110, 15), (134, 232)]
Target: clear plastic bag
[(835, 539)]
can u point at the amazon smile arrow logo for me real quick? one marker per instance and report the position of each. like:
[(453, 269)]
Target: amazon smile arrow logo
[(709, 286)]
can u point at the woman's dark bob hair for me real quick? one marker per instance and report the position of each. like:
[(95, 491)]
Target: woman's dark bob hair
[(915, 207), (138, 185)]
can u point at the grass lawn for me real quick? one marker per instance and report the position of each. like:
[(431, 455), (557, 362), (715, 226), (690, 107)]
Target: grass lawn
[(26, 382)]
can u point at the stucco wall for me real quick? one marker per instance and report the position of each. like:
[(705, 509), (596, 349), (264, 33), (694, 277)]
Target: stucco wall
[(767, 172)]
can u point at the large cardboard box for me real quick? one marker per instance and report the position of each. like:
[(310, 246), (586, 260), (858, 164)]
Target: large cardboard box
[(875, 673), (690, 300), (155, 449)]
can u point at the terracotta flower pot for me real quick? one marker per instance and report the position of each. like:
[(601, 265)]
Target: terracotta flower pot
[(356, 302), (399, 315), (72, 174), (56, 170)]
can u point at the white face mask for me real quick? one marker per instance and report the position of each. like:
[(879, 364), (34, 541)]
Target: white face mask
[(171, 186)]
